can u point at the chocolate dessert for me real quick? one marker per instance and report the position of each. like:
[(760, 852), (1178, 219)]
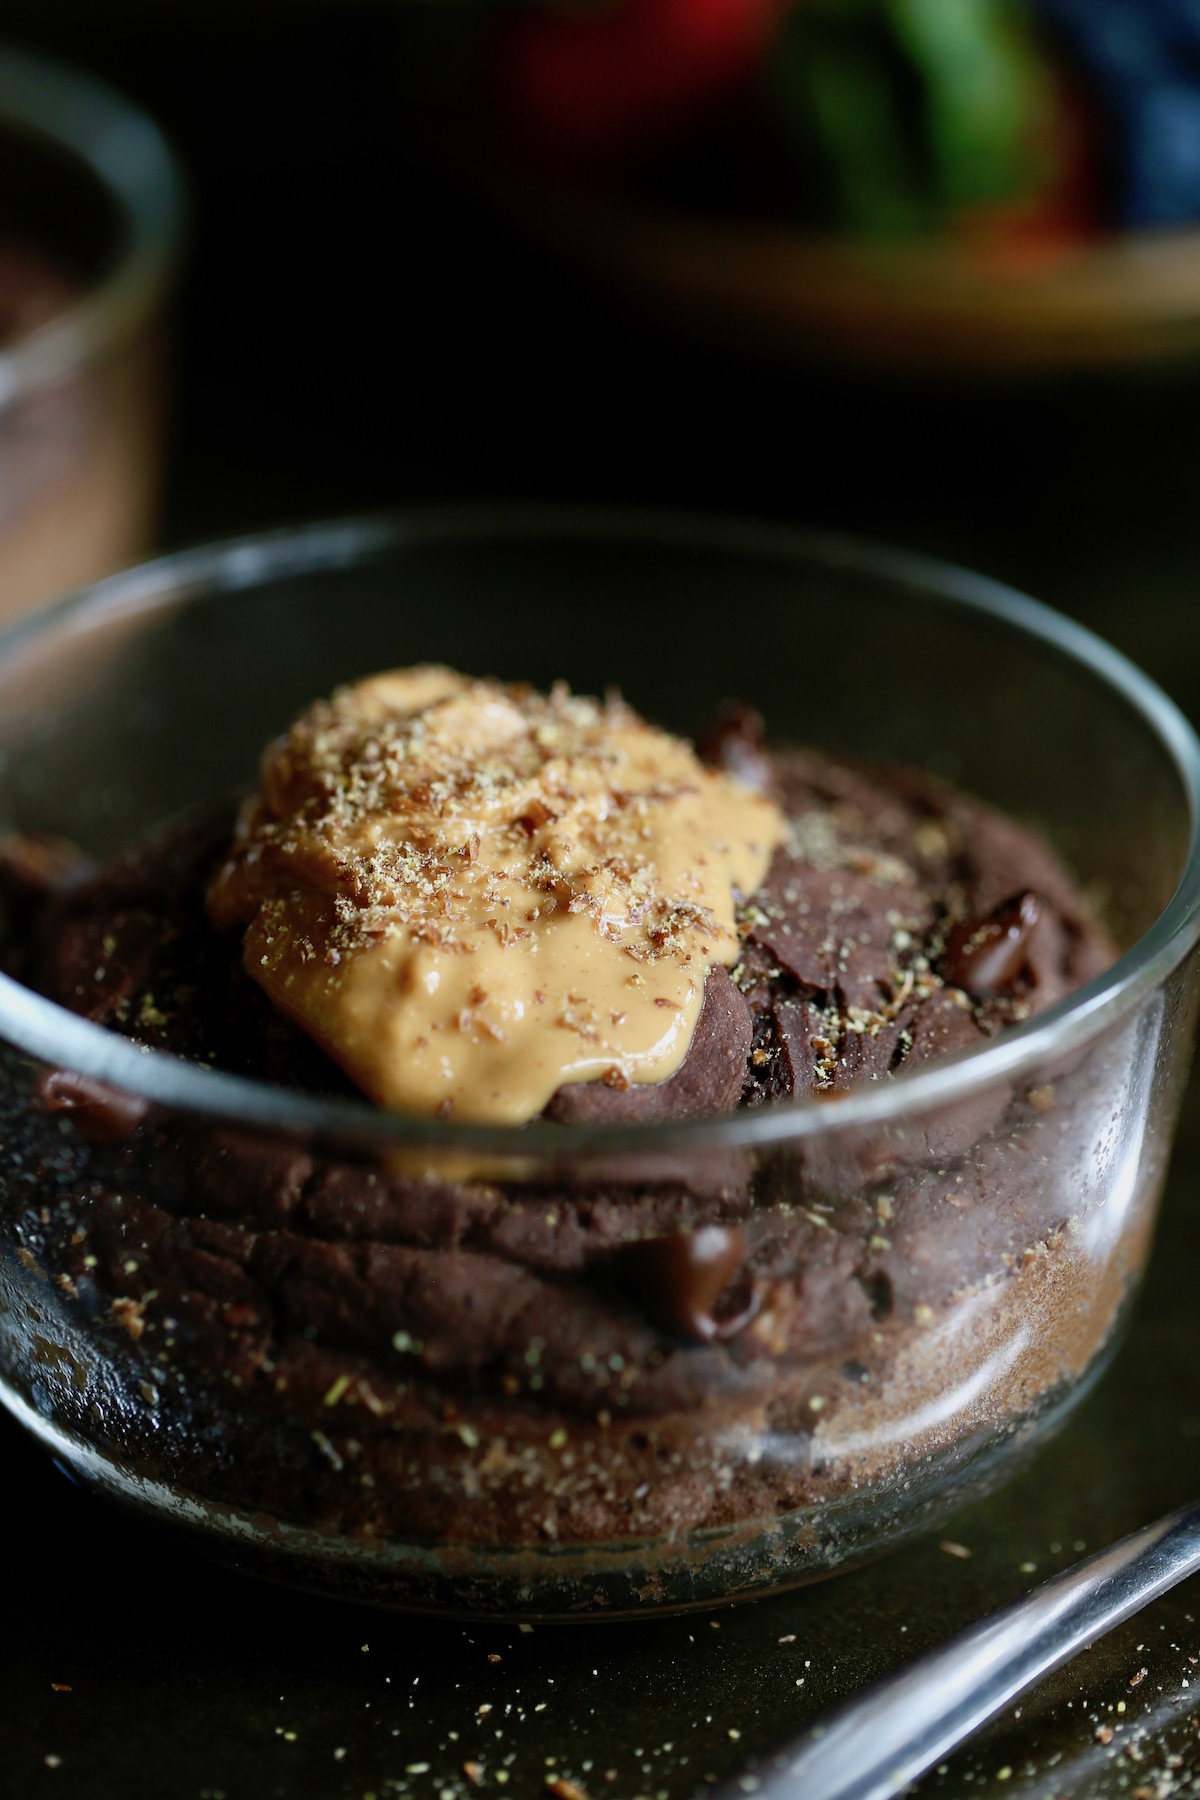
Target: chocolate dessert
[(451, 895)]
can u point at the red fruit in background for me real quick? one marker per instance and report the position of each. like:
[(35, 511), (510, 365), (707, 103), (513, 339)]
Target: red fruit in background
[(597, 84), (1050, 224)]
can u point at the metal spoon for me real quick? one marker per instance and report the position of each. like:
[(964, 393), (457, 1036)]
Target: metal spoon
[(872, 1747)]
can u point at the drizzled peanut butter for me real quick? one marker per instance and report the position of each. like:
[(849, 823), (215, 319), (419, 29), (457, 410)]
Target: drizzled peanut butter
[(470, 894)]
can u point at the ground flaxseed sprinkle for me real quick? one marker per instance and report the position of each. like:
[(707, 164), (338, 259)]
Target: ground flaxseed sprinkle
[(444, 881)]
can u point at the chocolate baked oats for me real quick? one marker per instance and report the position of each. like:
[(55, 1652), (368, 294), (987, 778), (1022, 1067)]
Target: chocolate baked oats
[(482, 904)]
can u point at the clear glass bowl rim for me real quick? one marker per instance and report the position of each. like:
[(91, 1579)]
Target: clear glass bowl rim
[(45, 99), (42, 1029)]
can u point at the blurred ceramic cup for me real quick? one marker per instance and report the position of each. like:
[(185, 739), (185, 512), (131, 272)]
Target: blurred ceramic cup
[(90, 204)]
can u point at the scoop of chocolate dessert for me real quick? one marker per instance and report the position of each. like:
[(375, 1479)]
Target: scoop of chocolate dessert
[(475, 903), (889, 919)]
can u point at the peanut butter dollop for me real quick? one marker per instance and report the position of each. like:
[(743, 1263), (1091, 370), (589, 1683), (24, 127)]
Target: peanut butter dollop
[(470, 893)]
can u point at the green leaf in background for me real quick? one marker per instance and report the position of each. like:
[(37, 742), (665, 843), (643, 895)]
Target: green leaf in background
[(987, 95), (835, 88), (898, 113)]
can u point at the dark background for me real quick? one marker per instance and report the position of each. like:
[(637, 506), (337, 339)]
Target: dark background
[(353, 329)]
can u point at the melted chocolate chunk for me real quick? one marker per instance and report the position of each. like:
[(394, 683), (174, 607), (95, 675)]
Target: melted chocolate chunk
[(987, 956), (103, 1114), (690, 1280)]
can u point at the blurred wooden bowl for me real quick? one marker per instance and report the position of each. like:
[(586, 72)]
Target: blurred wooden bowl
[(978, 304)]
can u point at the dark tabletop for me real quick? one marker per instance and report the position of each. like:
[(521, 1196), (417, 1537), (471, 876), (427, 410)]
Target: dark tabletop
[(353, 330)]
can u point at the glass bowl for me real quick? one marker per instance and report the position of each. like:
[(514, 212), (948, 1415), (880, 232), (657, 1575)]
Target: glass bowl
[(388, 1359), (90, 213)]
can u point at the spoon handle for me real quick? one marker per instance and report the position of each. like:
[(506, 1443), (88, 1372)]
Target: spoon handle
[(873, 1746)]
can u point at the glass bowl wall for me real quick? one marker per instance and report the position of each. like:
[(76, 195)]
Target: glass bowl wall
[(400, 1361)]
